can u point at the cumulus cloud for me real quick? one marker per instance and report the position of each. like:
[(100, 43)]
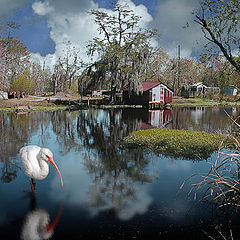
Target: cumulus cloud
[(69, 25), (42, 8), (174, 21), (70, 21)]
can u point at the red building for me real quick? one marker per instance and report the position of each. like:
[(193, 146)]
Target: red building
[(151, 93)]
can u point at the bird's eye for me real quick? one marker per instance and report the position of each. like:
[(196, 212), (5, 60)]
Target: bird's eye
[(47, 157)]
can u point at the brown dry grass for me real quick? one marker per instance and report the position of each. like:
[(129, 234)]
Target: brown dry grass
[(11, 103), (222, 183)]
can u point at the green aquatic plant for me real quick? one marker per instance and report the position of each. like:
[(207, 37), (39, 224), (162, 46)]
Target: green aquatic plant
[(177, 143)]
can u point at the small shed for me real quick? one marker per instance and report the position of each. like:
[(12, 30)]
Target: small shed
[(230, 90), (149, 94), (100, 92), (158, 92), (197, 89)]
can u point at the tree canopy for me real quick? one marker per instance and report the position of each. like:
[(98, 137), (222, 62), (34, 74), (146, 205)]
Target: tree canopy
[(122, 47)]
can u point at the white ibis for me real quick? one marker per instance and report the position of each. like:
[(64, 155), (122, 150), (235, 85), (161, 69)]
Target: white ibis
[(35, 161)]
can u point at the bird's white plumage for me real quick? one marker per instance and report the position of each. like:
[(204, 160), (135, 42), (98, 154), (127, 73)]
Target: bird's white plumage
[(34, 161)]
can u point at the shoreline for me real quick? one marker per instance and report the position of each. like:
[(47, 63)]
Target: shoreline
[(20, 105)]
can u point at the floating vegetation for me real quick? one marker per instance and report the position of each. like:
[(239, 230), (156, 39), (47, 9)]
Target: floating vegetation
[(177, 143)]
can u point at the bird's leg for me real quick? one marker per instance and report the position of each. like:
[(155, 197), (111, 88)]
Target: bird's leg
[(32, 182)]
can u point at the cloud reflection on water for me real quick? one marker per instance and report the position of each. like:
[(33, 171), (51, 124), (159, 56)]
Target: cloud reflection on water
[(98, 193)]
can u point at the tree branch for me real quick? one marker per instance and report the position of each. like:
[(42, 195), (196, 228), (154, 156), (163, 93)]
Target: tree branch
[(214, 40)]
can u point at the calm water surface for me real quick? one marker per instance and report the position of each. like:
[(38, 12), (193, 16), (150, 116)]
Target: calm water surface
[(108, 193)]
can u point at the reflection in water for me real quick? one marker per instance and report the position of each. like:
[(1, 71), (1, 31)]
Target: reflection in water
[(37, 225), (9, 171), (204, 118), (112, 173), (146, 119), (160, 118), (100, 177), (119, 194)]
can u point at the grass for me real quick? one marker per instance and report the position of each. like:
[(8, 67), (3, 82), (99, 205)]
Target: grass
[(205, 102), (40, 108), (177, 143)]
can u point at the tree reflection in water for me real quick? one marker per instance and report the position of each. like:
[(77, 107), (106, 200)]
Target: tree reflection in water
[(114, 172), (64, 126), (15, 132), (117, 176)]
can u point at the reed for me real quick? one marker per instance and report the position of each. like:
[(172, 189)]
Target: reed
[(222, 183)]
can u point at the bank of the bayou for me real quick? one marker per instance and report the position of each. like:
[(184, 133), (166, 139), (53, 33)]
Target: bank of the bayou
[(73, 102)]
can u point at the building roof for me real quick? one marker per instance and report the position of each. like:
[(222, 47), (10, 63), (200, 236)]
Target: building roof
[(149, 85), (198, 84)]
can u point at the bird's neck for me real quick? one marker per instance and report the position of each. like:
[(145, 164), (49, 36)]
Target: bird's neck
[(43, 165)]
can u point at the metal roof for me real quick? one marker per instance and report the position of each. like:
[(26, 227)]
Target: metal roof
[(149, 85)]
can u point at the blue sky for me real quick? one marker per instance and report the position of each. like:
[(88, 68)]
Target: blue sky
[(45, 23), (38, 30), (34, 31)]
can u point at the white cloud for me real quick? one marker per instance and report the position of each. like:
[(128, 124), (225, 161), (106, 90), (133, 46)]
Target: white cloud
[(70, 21), (42, 8)]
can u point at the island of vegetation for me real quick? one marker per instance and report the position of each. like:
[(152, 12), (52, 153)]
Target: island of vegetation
[(177, 143)]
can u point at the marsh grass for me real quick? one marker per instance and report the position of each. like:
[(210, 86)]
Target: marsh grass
[(222, 183), (177, 143)]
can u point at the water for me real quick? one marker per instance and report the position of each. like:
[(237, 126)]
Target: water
[(108, 193)]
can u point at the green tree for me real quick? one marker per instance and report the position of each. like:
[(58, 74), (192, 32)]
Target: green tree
[(22, 83), (123, 49), (220, 22)]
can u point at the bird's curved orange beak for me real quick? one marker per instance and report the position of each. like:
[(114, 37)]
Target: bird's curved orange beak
[(55, 166)]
